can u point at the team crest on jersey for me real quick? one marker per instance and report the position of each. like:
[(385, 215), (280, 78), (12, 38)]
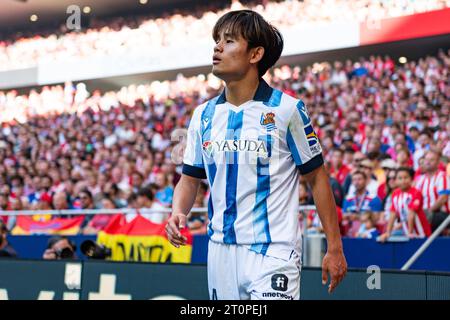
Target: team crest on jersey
[(208, 147), (268, 121)]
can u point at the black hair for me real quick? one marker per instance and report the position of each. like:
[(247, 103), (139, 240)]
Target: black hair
[(146, 192), (53, 240), (86, 191), (408, 170), (17, 177), (252, 27)]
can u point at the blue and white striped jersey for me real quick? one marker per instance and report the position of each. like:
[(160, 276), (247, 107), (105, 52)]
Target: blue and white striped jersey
[(252, 156)]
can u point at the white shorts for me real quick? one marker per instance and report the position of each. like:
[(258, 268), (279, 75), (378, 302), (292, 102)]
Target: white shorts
[(237, 273)]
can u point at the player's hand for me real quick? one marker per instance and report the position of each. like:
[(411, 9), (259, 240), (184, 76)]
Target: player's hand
[(335, 264), (175, 223)]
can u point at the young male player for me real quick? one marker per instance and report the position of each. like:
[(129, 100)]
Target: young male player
[(252, 142)]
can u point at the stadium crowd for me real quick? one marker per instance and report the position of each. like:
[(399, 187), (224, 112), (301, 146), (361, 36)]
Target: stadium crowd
[(384, 128), (146, 34)]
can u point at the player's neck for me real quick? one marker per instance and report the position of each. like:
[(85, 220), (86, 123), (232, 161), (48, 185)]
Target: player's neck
[(240, 91)]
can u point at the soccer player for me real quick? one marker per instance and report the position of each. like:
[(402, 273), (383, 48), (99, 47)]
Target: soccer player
[(252, 142), (407, 205)]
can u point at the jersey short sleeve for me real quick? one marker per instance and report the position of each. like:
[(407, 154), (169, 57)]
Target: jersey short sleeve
[(443, 185), (193, 158), (302, 140)]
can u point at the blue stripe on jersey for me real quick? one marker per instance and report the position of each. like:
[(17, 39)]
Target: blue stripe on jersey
[(275, 99), (260, 216), (198, 159), (303, 113), (293, 148), (230, 214), (212, 175), (205, 125)]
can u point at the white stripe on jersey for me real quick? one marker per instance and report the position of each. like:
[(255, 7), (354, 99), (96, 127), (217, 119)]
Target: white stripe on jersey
[(430, 188)]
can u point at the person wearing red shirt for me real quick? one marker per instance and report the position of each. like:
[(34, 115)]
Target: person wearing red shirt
[(338, 169), (406, 206), (434, 185)]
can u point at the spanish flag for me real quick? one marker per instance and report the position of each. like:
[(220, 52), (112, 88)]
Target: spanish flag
[(142, 240), (26, 225)]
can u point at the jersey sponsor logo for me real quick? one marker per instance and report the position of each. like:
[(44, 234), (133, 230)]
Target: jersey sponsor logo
[(208, 148), (268, 121), (279, 282), (241, 145)]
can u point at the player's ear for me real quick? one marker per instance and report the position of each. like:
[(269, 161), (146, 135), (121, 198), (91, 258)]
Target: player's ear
[(256, 54)]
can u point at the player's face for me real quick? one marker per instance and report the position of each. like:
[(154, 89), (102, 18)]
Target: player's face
[(403, 180), (231, 59)]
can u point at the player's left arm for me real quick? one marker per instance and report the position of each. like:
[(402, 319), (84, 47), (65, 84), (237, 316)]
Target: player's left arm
[(306, 152), (334, 261)]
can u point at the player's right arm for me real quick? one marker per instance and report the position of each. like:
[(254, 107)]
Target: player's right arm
[(183, 200), (186, 189)]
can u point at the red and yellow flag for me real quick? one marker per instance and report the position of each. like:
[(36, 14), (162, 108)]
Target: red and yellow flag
[(26, 225), (142, 240)]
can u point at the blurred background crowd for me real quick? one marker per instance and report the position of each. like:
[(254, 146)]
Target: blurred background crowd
[(147, 34), (68, 147)]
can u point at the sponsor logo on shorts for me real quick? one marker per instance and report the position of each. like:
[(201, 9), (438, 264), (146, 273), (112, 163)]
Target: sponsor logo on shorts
[(279, 282), (277, 295)]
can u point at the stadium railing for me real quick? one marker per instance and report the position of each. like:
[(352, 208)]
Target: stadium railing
[(426, 244)]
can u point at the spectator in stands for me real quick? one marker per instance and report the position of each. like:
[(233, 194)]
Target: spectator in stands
[(164, 193), (434, 186), (137, 180), (60, 248), (61, 201), (305, 197), (357, 158), (367, 229), (367, 167), (407, 206), (388, 166), (6, 250), (4, 205), (359, 202), (145, 200), (100, 221), (338, 193), (338, 169)]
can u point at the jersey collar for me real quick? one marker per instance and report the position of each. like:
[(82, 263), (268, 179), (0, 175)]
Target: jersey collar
[(262, 94)]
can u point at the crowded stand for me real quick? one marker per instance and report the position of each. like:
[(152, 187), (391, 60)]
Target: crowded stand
[(147, 34), (384, 128)]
